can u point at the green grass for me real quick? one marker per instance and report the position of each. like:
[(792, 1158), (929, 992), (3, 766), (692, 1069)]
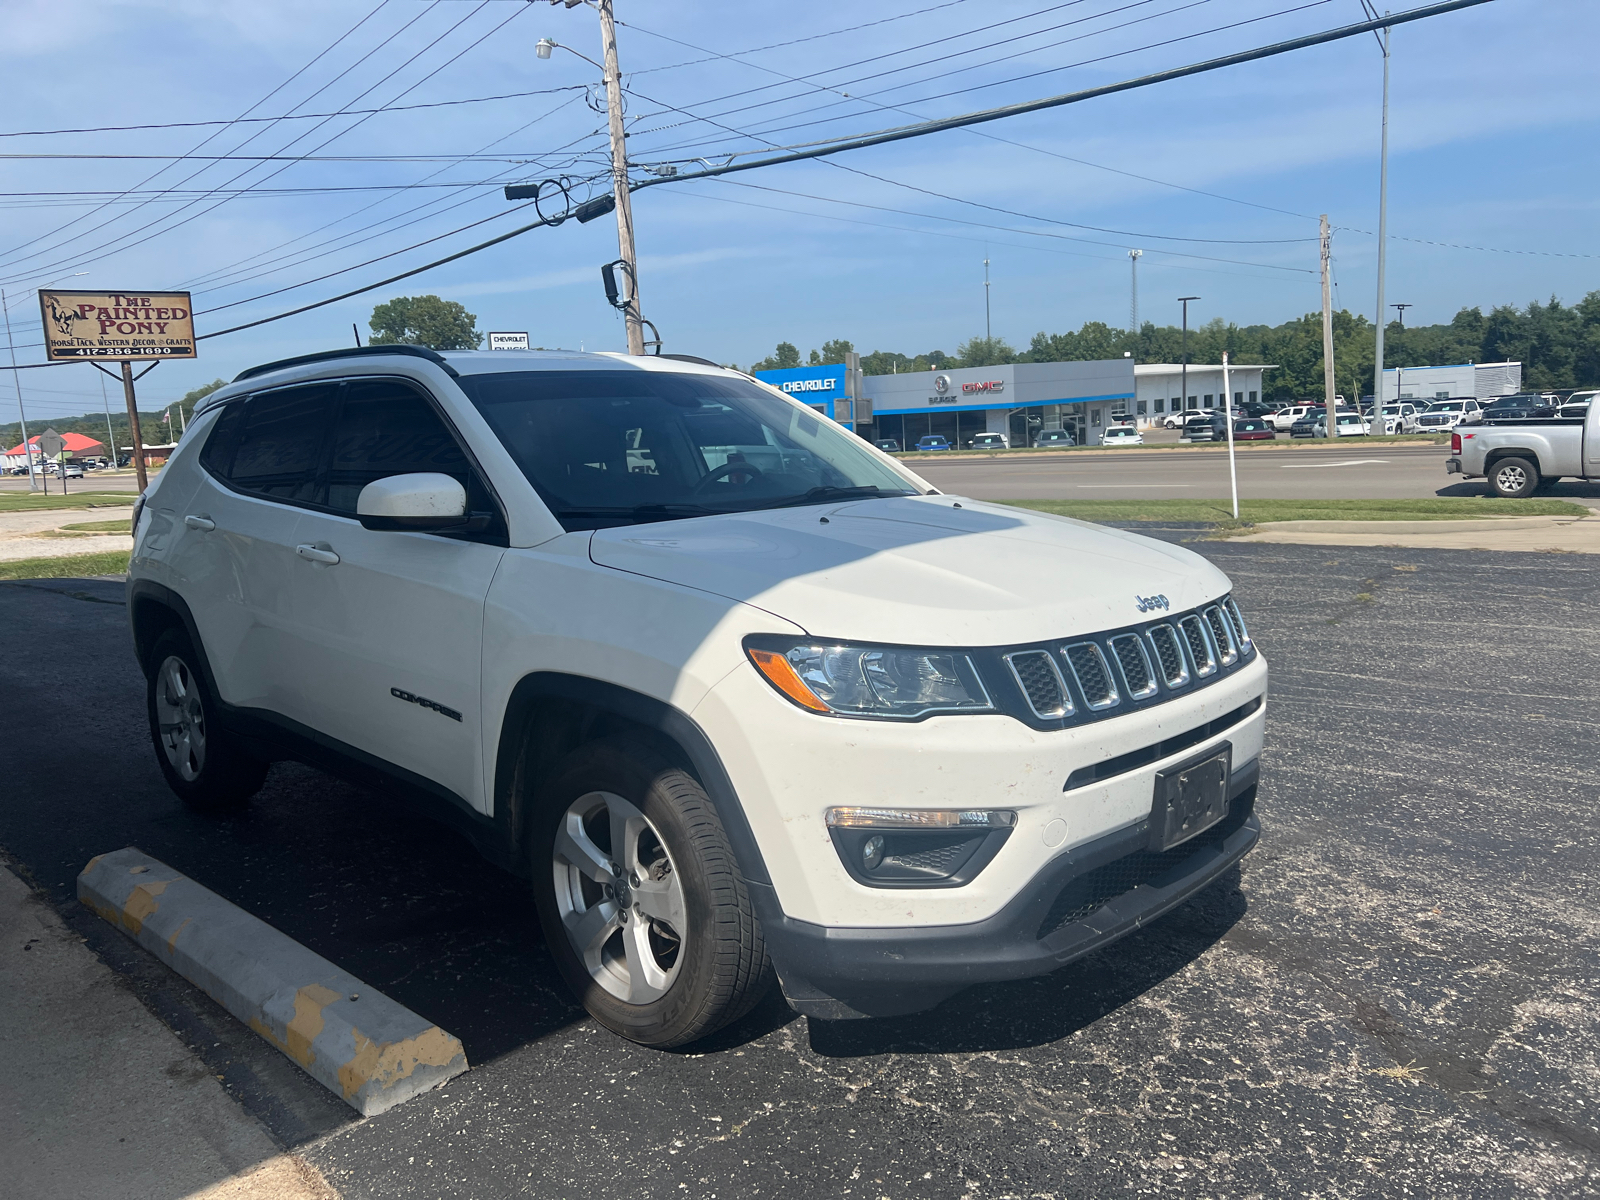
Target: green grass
[(1251, 512), (119, 526), (34, 502), (112, 562)]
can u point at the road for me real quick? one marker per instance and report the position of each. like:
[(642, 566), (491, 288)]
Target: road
[(1387, 471), (1397, 994)]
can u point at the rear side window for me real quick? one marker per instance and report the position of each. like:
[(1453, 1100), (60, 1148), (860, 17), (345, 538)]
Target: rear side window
[(270, 445), (385, 429)]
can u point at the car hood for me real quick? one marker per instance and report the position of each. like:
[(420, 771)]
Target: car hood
[(932, 570)]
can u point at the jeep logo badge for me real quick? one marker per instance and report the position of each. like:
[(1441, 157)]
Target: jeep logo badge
[(1146, 603)]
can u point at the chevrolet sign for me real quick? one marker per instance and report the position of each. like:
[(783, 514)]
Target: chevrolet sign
[(809, 385)]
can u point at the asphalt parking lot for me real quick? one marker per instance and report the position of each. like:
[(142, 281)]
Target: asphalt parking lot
[(1397, 994)]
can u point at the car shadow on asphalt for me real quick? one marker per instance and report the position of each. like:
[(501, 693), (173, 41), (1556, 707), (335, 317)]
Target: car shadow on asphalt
[(1036, 1012)]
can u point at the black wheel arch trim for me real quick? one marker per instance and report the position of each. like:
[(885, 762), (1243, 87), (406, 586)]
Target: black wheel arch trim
[(650, 713)]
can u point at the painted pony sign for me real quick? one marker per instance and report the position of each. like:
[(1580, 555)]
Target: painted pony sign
[(117, 325)]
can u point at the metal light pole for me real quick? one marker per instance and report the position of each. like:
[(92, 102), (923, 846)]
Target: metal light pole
[(16, 379), (988, 328), (111, 441), (1184, 370), (1133, 295), (1227, 408), (1383, 235)]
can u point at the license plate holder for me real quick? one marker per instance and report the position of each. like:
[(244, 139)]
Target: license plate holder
[(1190, 798)]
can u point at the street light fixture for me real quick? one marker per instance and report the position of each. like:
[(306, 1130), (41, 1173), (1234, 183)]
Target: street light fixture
[(543, 47)]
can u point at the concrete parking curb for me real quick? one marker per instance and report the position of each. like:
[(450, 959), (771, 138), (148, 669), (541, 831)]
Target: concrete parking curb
[(1465, 525), (363, 1046)]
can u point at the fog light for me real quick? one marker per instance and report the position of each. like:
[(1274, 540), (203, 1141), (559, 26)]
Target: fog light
[(920, 818), (872, 853)]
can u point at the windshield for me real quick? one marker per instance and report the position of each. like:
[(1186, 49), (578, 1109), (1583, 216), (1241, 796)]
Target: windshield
[(608, 448)]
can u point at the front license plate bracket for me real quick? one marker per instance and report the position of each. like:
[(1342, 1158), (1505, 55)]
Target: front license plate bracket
[(1190, 797)]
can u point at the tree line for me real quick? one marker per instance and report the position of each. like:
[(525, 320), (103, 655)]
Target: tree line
[(93, 424), (1558, 346)]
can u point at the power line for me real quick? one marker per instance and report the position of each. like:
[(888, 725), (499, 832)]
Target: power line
[(348, 112), (923, 129), (195, 216), (213, 136)]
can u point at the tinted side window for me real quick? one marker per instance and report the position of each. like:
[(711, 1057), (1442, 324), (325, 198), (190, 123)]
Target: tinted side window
[(388, 429), (279, 448), (217, 454)]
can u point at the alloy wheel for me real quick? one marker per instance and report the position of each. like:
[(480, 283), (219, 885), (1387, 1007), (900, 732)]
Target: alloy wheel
[(1511, 478), (619, 897), (182, 719)]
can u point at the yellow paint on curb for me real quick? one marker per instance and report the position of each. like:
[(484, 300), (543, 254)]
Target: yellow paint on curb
[(432, 1047), (304, 1027), (172, 942), (141, 903)]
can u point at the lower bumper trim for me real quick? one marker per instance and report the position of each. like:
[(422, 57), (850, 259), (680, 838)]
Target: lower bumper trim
[(844, 973)]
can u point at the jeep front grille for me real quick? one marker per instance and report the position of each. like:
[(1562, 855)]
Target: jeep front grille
[(1135, 664), (1174, 670), (1237, 618), (1040, 679), (1227, 651), (1194, 635), (1093, 674)]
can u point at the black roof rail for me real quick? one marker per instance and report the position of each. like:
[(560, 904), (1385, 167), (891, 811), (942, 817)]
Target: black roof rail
[(432, 356), (693, 358)]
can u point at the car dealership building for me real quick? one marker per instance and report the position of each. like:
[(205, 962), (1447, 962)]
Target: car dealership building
[(1019, 399)]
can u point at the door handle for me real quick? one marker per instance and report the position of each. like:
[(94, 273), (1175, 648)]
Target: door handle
[(204, 524), (317, 554)]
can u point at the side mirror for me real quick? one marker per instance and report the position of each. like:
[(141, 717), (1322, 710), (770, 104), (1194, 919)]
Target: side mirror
[(422, 501)]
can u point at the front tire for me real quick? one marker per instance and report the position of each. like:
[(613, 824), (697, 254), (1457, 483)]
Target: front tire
[(642, 902), (203, 763), (1514, 478)]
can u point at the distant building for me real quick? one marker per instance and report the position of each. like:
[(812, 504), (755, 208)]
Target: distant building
[(1018, 399), (1160, 389), (1477, 381)]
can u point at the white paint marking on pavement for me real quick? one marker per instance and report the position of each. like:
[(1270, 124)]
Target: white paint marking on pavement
[(1135, 485), (1351, 462)]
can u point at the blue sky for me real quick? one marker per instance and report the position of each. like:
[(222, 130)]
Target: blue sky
[(1494, 117)]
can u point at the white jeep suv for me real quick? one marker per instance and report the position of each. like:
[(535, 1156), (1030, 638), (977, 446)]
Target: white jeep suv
[(740, 695)]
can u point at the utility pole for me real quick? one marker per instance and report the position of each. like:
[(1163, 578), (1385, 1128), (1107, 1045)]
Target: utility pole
[(1184, 370), (1383, 241), (988, 328), (16, 378), (1330, 406), (1133, 295), (619, 175)]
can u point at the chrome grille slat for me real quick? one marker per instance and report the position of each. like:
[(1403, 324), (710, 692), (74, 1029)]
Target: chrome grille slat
[(1237, 617), (1093, 673), (1169, 653), (1198, 642), (1222, 635), (1040, 679), (1128, 650)]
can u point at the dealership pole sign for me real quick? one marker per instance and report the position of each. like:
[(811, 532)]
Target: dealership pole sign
[(113, 326)]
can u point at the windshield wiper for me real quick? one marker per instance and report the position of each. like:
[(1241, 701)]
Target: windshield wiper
[(826, 495), (643, 512)]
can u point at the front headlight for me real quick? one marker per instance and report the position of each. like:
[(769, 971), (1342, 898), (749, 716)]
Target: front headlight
[(870, 681)]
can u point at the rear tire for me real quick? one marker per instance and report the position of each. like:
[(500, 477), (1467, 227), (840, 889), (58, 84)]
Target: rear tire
[(1514, 478), (641, 899), (203, 763)]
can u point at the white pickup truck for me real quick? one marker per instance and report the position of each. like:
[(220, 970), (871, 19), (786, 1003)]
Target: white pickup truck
[(1520, 457)]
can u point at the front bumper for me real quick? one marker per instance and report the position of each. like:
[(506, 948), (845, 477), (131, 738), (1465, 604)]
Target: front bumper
[(1082, 900)]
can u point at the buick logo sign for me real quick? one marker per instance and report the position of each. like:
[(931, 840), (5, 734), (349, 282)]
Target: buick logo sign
[(941, 384)]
